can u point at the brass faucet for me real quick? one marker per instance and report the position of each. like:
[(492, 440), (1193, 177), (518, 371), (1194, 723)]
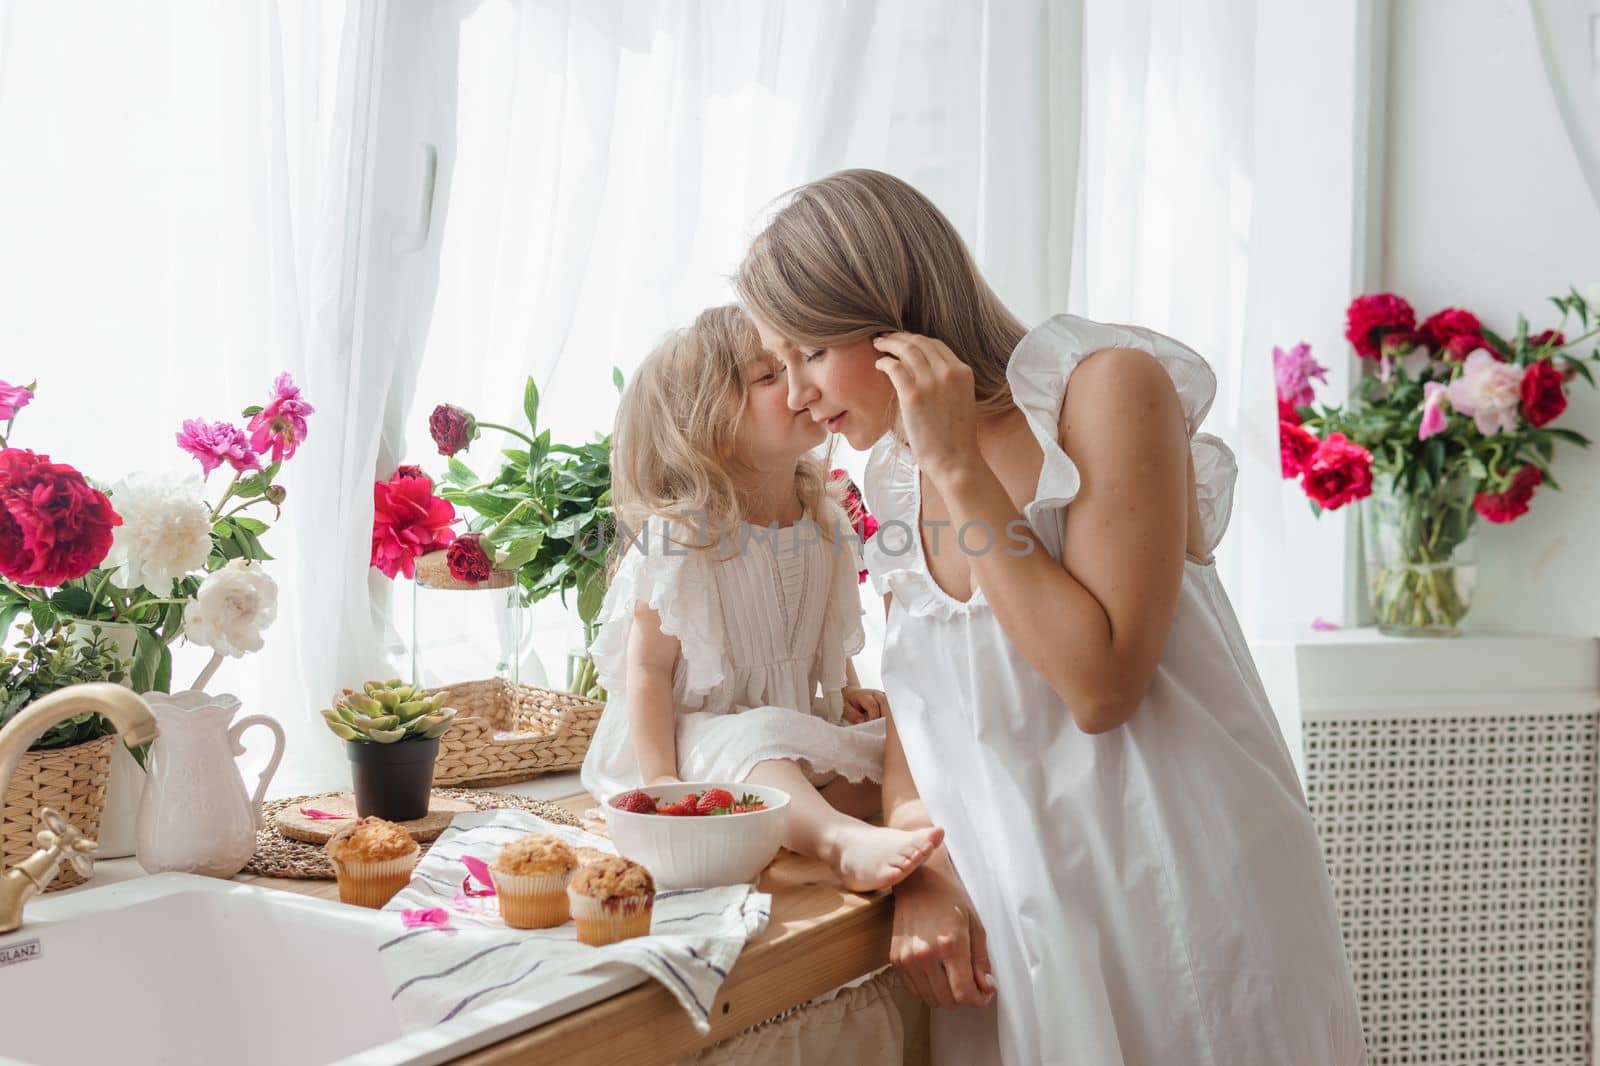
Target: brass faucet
[(59, 840)]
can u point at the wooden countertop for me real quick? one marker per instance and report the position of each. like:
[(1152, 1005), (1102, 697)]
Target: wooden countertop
[(819, 937)]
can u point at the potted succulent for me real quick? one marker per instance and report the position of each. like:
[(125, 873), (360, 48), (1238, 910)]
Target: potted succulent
[(393, 732), (66, 768)]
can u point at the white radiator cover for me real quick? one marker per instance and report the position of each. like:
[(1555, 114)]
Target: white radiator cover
[(1454, 788)]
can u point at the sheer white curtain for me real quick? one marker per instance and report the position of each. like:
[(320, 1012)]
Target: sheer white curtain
[(611, 160), (171, 227), (1220, 202)]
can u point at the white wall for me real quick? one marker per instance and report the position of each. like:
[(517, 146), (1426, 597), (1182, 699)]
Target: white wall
[(1486, 208)]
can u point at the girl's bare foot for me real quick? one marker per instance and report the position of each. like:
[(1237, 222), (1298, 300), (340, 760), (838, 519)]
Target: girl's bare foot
[(868, 858)]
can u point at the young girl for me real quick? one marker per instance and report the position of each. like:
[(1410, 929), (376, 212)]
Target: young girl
[(1071, 697), (727, 631)]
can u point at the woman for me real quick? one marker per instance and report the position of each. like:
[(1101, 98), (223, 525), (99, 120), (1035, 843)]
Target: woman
[(1129, 874)]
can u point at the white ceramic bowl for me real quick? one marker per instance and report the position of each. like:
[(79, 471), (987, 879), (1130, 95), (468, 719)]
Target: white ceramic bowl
[(723, 849)]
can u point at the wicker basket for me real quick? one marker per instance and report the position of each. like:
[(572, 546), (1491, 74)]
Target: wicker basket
[(73, 781), (507, 732)]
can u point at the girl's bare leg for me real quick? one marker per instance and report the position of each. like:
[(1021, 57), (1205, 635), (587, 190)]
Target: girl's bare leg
[(866, 857)]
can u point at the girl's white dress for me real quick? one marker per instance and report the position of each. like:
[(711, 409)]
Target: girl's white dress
[(1155, 894), (764, 626)]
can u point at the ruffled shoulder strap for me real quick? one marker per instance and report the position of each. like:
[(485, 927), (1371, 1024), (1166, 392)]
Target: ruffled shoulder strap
[(677, 583), (1038, 373)]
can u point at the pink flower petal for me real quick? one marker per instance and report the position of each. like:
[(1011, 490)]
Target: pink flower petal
[(1322, 625), (480, 871), (322, 816), (429, 918)]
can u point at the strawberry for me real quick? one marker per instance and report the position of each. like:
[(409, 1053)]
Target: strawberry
[(746, 808), (685, 807), (635, 801), (714, 799)]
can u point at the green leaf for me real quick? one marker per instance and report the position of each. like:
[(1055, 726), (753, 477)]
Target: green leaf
[(163, 678), (530, 403), (254, 525), (522, 551), (44, 616), (253, 409), (591, 595), (1570, 436), (146, 660), (1497, 342), (458, 473), (616, 378)]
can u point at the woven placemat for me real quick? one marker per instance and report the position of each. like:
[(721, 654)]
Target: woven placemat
[(278, 856)]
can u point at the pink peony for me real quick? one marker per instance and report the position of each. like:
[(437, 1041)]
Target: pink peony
[(13, 398), (1489, 392), (1294, 370), (215, 443), (1434, 419), (281, 425), (408, 520)]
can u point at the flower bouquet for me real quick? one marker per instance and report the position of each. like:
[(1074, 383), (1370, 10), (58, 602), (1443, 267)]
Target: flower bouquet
[(150, 556), (1451, 421), (542, 523)]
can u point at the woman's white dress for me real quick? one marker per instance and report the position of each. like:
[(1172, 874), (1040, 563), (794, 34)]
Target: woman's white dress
[(764, 625), (1152, 895)]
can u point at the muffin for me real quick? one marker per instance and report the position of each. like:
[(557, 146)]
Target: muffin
[(530, 881), (611, 900), (373, 859)]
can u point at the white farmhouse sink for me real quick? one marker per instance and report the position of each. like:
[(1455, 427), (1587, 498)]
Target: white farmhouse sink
[(177, 969)]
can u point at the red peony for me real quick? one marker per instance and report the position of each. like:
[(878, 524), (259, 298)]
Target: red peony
[(1296, 446), (1457, 349), (452, 427), (1551, 337), (1512, 503), (1543, 398), (1370, 318), (1338, 472), (409, 470), (53, 526), (408, 520), (1288, 413), (1438, 330), (467, 559)]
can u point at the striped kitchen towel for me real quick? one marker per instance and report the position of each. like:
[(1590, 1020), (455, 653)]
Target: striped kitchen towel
[(436, 974)]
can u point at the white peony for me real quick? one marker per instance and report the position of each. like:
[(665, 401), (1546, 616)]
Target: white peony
[(231, 609), (165, 531)]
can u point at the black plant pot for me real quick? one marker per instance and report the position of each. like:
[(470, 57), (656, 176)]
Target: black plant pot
[(392, 780)]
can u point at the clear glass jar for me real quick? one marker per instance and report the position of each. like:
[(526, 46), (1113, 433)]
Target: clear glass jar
[(1421, 556)]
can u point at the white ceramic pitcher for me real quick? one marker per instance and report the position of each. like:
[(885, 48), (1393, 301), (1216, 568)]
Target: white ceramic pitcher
[(195, 816)]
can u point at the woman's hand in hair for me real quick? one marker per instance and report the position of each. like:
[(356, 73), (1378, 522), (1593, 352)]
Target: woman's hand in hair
[(937, 403)]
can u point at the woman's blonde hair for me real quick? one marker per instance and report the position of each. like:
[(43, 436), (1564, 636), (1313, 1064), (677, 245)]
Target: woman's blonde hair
[(673, 453), (861, 252)]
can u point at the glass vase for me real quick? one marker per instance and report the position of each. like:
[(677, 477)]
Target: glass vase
[(1421, 556), (469, 634)]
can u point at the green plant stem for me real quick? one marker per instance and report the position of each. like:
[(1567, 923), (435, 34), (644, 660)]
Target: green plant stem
[(226, 494), (242, 506), (94, 597), (153, 601), (507, 429), (19, 590)]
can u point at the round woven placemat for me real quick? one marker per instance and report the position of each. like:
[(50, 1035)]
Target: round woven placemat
[(278, 856)]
